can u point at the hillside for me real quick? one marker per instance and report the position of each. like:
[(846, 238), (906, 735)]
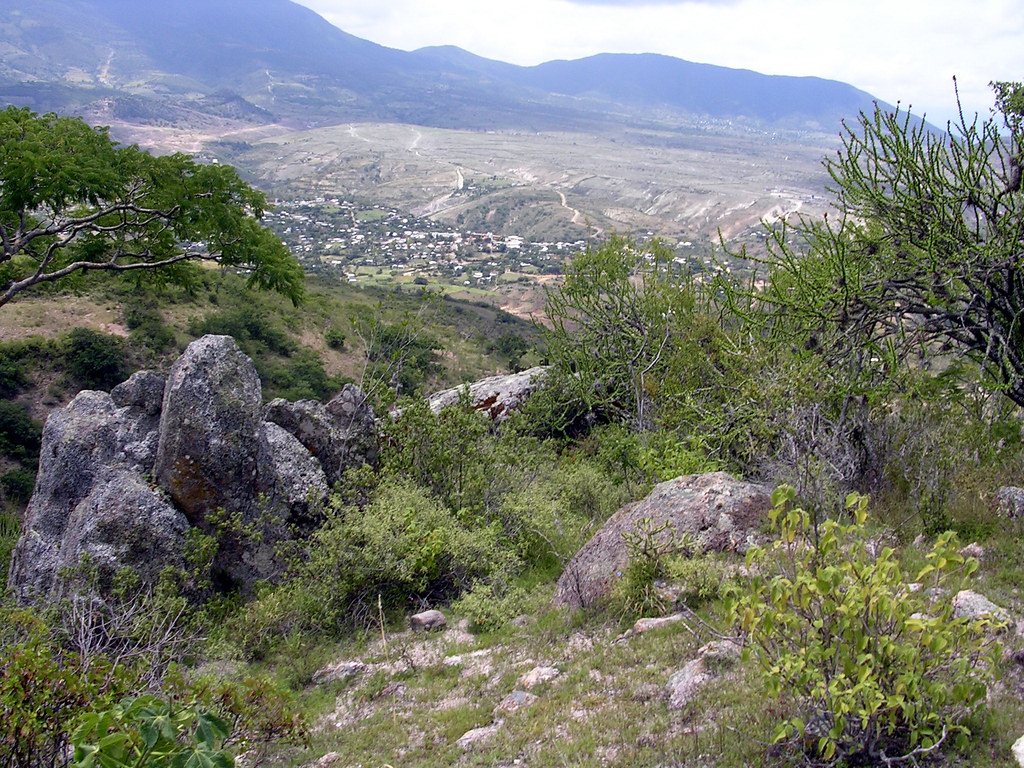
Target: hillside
[(149, 62)]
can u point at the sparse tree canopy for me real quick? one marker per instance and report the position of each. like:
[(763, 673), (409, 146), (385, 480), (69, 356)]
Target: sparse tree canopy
[(928, 248), (72, 200)]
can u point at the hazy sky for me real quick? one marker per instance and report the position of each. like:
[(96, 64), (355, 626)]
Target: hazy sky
[(907, 50)]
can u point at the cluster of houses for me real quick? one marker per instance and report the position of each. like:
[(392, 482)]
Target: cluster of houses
[(363, 242)]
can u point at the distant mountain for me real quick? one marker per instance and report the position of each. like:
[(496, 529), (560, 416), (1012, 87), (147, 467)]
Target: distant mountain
[(171, 61)]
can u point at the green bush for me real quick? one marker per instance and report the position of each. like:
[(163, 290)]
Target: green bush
[(251, 327), (403, 548), (95, 359), (335, 338), (43, 691), (876, 669), (20, 435)]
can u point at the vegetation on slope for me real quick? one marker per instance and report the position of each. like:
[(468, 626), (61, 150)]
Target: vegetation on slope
[(653, 374)]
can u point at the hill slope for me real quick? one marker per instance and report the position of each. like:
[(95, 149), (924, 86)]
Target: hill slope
[(289, 64)]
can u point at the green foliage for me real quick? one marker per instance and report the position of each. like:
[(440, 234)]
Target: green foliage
[(335, 338), (10, 530), (872, 666), (926, 250), (403, 547), (300, 377), (489, 606), (250, 325), (650, 547), (402, 355), (449, 453), (610, 323), (73, 201), (20, 435), (96, 360), (16, 485), (43, 690), (146, 732)]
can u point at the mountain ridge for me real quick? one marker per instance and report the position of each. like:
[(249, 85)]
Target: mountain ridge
[(285, 59)]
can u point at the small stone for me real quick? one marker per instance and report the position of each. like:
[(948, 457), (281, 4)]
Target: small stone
[(516, 700), (1018, 750), (643, 625), (538, 675), (974, 549), (427, 621), (475, 736), (346, 670)]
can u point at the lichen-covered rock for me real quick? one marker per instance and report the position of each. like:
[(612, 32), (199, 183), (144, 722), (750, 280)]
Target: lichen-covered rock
[(291, 479), (84, 444), (497, 396), (143, 390), (209, 432), (1010, 502), (717, 511), (340, 434)]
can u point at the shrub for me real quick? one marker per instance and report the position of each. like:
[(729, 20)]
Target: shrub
[(95, 359), (873, 666), (19, 435), (43, 690), (403, 548)]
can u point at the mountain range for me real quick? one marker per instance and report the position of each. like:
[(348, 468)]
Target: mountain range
[(265, 61)]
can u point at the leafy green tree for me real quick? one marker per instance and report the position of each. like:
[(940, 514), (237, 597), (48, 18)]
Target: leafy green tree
[(73, 201), (926, 250), (610, 324)]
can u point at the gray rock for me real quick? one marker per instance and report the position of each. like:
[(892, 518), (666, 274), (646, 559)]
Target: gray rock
[(340, 435), (427, 621), (711, 662), (538, 676), (209, 432), (516, 700), (1010, 502), (644, 625), (291, 478), (84, 445), (968, 604), (121, 523), (143, 389), (497, 396), (477, 735), (719, 512)]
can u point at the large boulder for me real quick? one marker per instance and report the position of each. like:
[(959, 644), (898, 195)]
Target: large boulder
[(209, 432), (86, 446), (497, 396), (717, 511), (340, 434)]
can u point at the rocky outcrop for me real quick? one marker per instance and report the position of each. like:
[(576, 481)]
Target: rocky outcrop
[(209, 430), (124, 476), (340, 435), (497, 396), (718, 512)]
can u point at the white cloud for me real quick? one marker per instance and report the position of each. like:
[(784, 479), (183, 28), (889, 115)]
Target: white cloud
[(905, 50)]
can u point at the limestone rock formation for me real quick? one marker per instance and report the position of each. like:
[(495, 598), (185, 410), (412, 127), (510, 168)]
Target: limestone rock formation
[(497, 396), (85, 446), (719, 512), (340, 435), (124, 476)]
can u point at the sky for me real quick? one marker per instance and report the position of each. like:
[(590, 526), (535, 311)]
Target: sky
[(896, 50)]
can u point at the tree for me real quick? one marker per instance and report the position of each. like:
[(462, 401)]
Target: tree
[(926, 252), (610, 324), (72, 200)]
